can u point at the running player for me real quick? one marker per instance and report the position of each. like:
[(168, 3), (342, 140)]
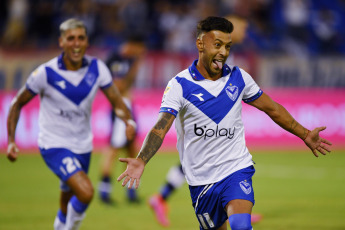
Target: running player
[(124, 65), (67, 86)]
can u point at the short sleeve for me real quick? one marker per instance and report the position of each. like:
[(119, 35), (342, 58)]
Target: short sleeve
[(37, 80), (172, 98), (251, 91), (105, 79)]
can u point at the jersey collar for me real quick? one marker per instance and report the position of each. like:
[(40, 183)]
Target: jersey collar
[(196, 75), (61, 63)]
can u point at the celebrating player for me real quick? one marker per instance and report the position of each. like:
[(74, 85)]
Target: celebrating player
[(67, 86), (206, 99), (175, 177), (124, 65)]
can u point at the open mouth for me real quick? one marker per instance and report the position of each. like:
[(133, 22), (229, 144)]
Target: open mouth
[(76, 51), (218, 64)]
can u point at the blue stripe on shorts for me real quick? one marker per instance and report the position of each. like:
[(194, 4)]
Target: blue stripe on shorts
[(209, 201)]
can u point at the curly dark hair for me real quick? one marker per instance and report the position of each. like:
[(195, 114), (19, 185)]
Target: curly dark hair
[(214, 23)]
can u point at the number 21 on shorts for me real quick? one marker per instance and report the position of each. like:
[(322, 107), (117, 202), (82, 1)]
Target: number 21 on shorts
[(69, 165)]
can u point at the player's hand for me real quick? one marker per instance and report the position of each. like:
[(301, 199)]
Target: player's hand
[(133, 172), (131, 128), (316, 143), (12, 151)]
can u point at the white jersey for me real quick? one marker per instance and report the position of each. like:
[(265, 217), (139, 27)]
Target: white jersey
[(210, 131), (65, 102)]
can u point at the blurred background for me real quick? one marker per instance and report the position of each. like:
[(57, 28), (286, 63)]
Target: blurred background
[(294, 49)]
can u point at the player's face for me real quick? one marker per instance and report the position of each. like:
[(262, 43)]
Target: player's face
[(74, 43), (214, 48)]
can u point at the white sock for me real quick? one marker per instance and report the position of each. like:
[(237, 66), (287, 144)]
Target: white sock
[(58, 225), (73, 219)]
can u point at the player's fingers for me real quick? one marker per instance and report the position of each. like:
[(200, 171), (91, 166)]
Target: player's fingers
[(321, 150), (325, 147), (121, 176), (125, 181), (325, 141), (123, 160), (319, 129), (315, 153)]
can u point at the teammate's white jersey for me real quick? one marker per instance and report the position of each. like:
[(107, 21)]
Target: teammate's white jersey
[(65, 102), (210, 131)]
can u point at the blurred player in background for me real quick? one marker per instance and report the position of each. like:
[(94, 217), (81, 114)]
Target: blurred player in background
[(175, 177), (67, 86), (123, 64), (206, 100)]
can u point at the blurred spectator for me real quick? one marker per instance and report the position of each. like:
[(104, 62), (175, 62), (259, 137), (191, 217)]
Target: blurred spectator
[(176, 25), (41, 24), (15, 28), (327, 22)]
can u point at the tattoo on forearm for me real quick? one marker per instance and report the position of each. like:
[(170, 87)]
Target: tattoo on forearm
[(293, 125), (151, 145), (154, 139), (163, 122)]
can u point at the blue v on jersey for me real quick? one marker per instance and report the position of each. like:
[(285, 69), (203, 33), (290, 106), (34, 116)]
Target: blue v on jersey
[(210, 131), (65, 102)]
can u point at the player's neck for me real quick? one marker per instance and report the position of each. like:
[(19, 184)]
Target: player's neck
[(202, 70), (70, 65)]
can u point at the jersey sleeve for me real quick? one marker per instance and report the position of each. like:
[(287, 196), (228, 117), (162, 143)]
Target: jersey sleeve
[(37, 80), (172, 98), (251, 91), (105, 78)]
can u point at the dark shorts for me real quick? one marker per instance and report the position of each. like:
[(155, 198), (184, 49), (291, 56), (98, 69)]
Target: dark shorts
[(209, 201)]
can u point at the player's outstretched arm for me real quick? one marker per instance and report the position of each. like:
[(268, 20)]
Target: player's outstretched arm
[(23, 97), (121, 110), (284, 119), (152, 142)]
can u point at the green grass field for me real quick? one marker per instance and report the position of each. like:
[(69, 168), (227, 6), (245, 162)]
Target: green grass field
[(293, 191)]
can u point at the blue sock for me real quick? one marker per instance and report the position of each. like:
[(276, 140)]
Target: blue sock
[(132, 194), (166, 190), (106, 179), (77, 205), (62, 217), (240, 221)]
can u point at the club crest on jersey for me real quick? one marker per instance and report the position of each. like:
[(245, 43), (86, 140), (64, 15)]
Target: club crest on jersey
[(90, 78), (245, 186), (232, 92)]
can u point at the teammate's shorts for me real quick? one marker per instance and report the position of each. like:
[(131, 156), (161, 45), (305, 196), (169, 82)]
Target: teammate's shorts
[(118, 137), (65, 163), (209, 201)]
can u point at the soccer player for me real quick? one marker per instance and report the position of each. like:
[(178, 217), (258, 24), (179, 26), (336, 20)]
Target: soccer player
[(67, 86), (124, 65), (206, 99), (175, 177)]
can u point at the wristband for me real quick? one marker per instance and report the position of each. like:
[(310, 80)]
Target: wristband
[(132, 123), (306, 135)]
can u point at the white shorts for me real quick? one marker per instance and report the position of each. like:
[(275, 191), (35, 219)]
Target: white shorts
[(118, 136)]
